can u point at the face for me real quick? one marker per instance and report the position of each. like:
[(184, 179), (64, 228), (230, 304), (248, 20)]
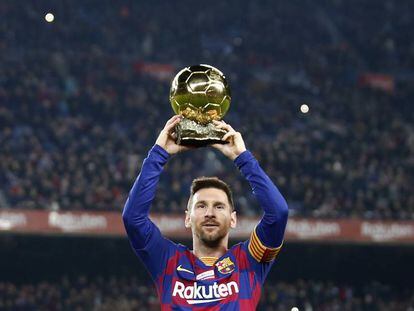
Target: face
[(210, 216)]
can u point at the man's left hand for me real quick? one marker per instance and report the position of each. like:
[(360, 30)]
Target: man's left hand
[(235, 145)]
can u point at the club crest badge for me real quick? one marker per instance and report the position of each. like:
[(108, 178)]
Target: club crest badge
[(225, 266)]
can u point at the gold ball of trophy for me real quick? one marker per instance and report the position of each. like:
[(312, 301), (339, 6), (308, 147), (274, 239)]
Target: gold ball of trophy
[(201, 94)]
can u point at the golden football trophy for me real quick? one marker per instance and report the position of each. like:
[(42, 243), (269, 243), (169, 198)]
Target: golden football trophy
[(200, 94)]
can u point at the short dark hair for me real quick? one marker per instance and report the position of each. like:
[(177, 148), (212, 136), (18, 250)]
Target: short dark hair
[(210, 182)]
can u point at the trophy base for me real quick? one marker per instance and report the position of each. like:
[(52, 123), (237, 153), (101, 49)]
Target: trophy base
[(190, 133)]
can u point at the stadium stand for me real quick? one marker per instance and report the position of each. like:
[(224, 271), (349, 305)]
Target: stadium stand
[(78, 114)]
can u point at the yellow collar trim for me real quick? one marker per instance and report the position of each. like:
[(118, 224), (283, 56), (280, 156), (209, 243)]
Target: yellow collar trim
[(208, 261)]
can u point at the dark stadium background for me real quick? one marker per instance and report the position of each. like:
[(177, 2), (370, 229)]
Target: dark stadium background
[(56, 256), (83, 98), (37, 259)]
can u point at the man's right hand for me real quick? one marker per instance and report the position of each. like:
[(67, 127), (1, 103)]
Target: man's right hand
[(167, 137)]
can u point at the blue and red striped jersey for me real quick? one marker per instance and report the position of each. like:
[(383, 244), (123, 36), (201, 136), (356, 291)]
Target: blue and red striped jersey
[(234, 282), (183, 281)]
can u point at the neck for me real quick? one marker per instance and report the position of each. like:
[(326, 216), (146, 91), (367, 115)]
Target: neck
[(201, 249)]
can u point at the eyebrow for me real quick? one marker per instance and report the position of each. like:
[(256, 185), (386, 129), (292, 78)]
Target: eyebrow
[(215, 202)]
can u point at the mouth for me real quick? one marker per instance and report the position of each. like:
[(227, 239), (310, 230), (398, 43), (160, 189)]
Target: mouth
[(210, 225)]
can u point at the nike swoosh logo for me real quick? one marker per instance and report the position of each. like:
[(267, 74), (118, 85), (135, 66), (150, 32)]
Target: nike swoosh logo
[(179, 268)]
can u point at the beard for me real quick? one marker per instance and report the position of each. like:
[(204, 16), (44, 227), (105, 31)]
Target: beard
[(212, 238)]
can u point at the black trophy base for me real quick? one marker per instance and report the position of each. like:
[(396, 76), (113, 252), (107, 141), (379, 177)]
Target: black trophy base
[(190, 133)]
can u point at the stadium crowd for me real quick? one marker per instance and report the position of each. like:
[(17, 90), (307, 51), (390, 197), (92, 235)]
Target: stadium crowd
[(124, 294), (78, 114)]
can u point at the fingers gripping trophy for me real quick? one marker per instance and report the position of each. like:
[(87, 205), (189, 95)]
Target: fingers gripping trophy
[(201, 95)]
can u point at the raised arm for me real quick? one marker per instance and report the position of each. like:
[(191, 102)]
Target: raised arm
[(139, 227), (267, 237), (144, 236)]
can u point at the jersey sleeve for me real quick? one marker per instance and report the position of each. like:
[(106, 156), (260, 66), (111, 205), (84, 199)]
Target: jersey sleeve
[(144, 236), (260, 251), (267, 238)]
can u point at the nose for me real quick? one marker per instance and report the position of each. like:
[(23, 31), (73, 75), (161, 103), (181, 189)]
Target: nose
[(210, 212)]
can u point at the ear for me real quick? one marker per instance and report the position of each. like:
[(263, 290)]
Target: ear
[(187, 221), (233, 219)]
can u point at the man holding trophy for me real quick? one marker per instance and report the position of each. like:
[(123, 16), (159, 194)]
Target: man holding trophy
[(210, 276)]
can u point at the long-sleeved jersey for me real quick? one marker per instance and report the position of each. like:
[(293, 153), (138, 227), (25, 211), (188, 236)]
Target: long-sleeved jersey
[(183, 281)]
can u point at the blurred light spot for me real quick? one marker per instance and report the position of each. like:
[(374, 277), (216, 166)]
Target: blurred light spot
[(304, 108), (337, 166), (49, 17)]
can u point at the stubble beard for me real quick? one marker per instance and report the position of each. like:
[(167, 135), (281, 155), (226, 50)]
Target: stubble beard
[(212, 239)]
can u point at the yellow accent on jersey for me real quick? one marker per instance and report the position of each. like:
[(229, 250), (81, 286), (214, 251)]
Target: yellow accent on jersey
[(208, 261), (261, 252)]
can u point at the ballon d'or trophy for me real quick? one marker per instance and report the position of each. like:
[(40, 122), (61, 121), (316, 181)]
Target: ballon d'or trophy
[(200, 94)]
